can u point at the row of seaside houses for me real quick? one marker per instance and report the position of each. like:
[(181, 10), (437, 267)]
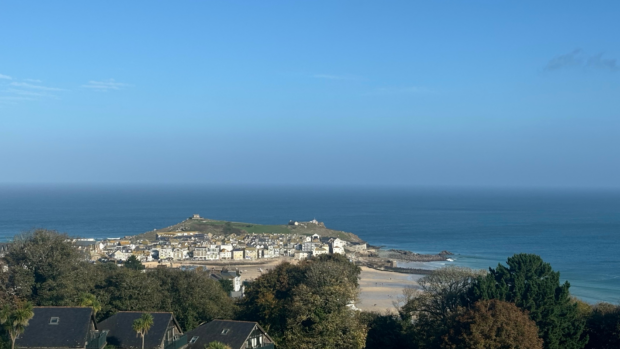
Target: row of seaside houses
[(251, 247)]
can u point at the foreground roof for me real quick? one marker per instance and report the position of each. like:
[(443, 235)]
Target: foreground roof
[(122, 335), (235, 336), (53, 327)]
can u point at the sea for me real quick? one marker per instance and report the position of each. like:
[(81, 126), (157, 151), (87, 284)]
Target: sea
[(576, 231)]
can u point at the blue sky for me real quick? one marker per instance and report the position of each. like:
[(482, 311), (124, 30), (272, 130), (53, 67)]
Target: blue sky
[(467, 93)]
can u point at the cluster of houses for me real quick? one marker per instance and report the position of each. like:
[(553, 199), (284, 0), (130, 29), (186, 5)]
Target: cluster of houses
[(196, 246), (76, 327)]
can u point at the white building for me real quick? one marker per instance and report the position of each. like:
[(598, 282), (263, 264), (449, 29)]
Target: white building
[(180, 254), (200, 253), (227, 247), (302, 255), (337, 246), (120, 255), (164, 253), (213, 253), (308, 246), (225, 254), (319, 251)]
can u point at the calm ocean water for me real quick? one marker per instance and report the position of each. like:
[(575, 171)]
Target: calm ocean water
[(578, 232)]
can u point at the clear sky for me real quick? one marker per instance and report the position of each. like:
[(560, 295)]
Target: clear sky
[(472, 93)]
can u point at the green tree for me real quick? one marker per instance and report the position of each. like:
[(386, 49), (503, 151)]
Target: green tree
[(123, 289), (305, 305), (193, 297), (434, 308), (532, 285), (384, 331), (493, 324), (90, 300), (46, 268), (15, 318), (217, 345), (133, 263), (143, 325), (227, 285), (603, 326)]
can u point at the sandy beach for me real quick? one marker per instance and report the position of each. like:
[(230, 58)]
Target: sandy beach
[(378, 289)]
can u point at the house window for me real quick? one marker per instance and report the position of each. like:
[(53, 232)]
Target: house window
[(225, 331), (54, 320), (193, 340)]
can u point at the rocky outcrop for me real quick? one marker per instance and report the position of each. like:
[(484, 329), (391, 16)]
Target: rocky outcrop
[(416, 257)]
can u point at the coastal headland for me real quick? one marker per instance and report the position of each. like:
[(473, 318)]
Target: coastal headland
[(253, 249), (216, 227)]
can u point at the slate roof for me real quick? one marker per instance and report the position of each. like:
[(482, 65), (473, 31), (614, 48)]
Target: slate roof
[(84, 243), (122, 334), (238, 333), (74, 324)]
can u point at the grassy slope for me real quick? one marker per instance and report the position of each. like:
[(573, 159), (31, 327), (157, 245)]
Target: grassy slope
[(216, 227)]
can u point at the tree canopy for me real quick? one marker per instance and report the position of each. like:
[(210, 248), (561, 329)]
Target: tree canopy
[(45, 268), (133, 263), (493, 324), (603, 326), (385, 331), (306, 305), (15, 317), (532, 285), (433, 309)]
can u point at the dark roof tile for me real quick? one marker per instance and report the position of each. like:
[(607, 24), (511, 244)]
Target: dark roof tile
[(238, 332), (74, 324), (122, 334)]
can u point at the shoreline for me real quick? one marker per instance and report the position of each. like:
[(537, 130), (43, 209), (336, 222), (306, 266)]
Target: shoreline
[(378, 289)]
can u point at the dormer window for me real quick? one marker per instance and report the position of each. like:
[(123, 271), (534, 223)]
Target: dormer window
[(225, 331), (54, 320)]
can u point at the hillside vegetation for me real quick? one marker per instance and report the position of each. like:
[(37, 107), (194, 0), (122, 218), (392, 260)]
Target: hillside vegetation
[(204, 225)]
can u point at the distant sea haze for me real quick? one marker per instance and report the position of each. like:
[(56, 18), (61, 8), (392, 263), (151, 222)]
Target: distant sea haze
[(577, 231)]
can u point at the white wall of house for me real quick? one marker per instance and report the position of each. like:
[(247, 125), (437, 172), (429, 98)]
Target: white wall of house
[(213, 253), (180, 254), (165, 253), (339, 250), (319, 251), (308, 246), (302, 255)]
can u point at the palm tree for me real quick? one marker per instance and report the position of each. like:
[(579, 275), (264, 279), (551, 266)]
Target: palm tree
[(15, 319), (89, 300), (217, 345), (143, 325)]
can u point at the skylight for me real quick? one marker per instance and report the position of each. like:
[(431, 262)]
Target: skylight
[(54, 320), (225, 331)]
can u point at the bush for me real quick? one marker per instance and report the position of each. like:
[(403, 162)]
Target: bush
[(493, 324)]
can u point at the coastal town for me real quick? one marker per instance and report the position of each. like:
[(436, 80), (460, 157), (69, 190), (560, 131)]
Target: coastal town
[(195, 247)]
